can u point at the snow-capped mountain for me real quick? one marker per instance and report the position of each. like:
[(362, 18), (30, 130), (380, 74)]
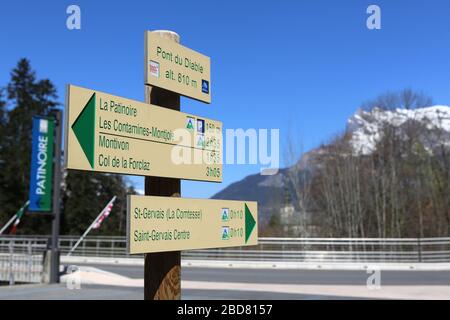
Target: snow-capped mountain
[(366, 127)]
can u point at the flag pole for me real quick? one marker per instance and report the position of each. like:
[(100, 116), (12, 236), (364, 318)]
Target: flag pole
[(13, 218), (8, 224), (90, 227)]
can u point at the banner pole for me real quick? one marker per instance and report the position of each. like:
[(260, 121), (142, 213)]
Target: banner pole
[(8, 223), (90, 227), (54, 268), (22, 208)]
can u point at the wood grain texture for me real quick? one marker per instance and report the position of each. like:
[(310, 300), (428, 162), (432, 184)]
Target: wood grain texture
[(162, 276), (162, 270)]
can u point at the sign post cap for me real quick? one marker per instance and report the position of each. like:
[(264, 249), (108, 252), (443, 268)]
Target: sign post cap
[(168, 34)]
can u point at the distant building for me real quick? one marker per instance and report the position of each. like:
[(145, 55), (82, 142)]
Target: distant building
[(294, 222), (289, 220)]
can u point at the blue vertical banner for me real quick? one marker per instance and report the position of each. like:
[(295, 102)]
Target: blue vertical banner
[(40, 194)]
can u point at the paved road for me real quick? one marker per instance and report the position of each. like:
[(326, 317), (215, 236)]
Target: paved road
[(276, 276), (244, 283), (60, 292)]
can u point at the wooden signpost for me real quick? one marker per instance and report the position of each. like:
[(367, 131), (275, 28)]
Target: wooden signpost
[(158, 224), (176, 68), (107, 133)]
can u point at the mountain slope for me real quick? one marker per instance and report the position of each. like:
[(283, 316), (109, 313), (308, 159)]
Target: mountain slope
[(364, 129)]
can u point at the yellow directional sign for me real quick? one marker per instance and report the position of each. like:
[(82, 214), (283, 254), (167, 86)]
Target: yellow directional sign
[(106, 133), (173, 67), (158, 224)]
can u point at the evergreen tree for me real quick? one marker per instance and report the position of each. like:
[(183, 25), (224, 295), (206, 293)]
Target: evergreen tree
[(2, 159), (2, 113), (27, 97), (84, 194)]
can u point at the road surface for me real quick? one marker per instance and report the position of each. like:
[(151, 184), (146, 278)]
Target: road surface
[(215, 283)]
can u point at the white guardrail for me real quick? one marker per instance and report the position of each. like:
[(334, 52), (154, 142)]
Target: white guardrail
[(269, 249), (22, 257), (21, 260)]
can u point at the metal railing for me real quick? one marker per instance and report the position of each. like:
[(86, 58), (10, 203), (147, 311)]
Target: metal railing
[(314, 250), (21, 260)]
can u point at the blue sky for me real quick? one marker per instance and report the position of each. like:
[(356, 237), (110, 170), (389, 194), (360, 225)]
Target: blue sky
[(301, 66)]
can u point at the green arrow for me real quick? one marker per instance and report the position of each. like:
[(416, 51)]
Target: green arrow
[(249, 223), (84, 129)]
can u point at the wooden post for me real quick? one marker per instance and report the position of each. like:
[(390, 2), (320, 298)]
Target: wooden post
[(162, 271)]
